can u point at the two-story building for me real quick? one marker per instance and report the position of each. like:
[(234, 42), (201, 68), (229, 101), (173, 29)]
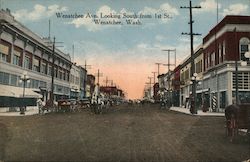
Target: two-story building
[(225, 44)]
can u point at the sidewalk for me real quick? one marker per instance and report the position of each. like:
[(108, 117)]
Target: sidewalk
[(199, 113), (27, 113)]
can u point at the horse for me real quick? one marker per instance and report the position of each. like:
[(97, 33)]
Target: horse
[(231, 114), (49, 106)]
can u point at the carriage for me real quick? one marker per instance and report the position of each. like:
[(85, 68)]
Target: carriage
[(48, 106), (237, 118), (67, 105)]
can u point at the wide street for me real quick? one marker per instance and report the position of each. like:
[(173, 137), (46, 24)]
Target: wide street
[(123, 133)]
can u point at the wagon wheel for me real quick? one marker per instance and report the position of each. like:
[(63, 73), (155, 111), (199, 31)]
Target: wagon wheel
[(232, 129)]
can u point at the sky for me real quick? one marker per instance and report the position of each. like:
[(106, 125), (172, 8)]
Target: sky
[(125, 53)]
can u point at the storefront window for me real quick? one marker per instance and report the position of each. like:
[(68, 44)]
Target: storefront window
[(223, 99)]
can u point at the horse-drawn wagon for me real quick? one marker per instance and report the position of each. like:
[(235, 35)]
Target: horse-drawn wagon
[(237, 117), (67, 105)]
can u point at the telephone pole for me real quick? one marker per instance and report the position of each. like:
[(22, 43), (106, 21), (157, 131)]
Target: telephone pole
[(98, 77), (190, 7), (154, 76), (86, 66), (168, 64), (106, 81), (150, 87), (158, 66), (168, 76), (53, 66)]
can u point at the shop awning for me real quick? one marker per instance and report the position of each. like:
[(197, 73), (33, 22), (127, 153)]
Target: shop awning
[(11, 91)]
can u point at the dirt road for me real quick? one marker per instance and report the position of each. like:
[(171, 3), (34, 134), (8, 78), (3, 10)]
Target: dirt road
[(121, 134)]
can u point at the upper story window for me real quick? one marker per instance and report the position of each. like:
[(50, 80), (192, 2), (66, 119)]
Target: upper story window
[(44, 68), (4, 52), (198, 66), (27, 62), (50, 70), (60, 74), (36, 66), (223, 48), (244, 47), (212, 59), (16, 58), (220, 53)]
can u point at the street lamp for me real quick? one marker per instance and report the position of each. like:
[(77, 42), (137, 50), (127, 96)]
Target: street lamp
[(25, 79), (193, 82)]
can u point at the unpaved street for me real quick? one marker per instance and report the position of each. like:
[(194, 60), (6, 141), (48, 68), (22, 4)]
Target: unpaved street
[(122, 134)]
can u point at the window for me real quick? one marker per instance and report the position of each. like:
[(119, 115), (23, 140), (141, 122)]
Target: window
[(36, 66), (27, 62), (4, 51), (67, 76), (55, 72), (223, 48), (244, 43), (34, 83), (16, 60), (186, 74), (43, 84), (60, 74), (16, 57), (4, 78), (220, 53), (50, 70), (198, 67), (13, 80), (63, 75), (44, 68), (243, 80), (212, 59), (77, 81), (208, 61)]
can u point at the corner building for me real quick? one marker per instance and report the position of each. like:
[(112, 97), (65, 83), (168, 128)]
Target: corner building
[(22, 50), (226, 43)]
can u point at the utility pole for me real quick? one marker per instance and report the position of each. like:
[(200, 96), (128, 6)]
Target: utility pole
[(190, 7), (86, 66), (236, 71), (73, 53), (53, 66), (98, 77), (168, 76), (150, 87), (168, 64), (112, 83), (154, 76), (106, 81), (158, 65)]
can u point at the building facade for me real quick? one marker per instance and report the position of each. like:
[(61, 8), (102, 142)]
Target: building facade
[(22, 50), (225, 44), (90, 85), (215, 65)]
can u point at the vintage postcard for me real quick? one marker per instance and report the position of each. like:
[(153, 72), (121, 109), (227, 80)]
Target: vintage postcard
[(115, 80)]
